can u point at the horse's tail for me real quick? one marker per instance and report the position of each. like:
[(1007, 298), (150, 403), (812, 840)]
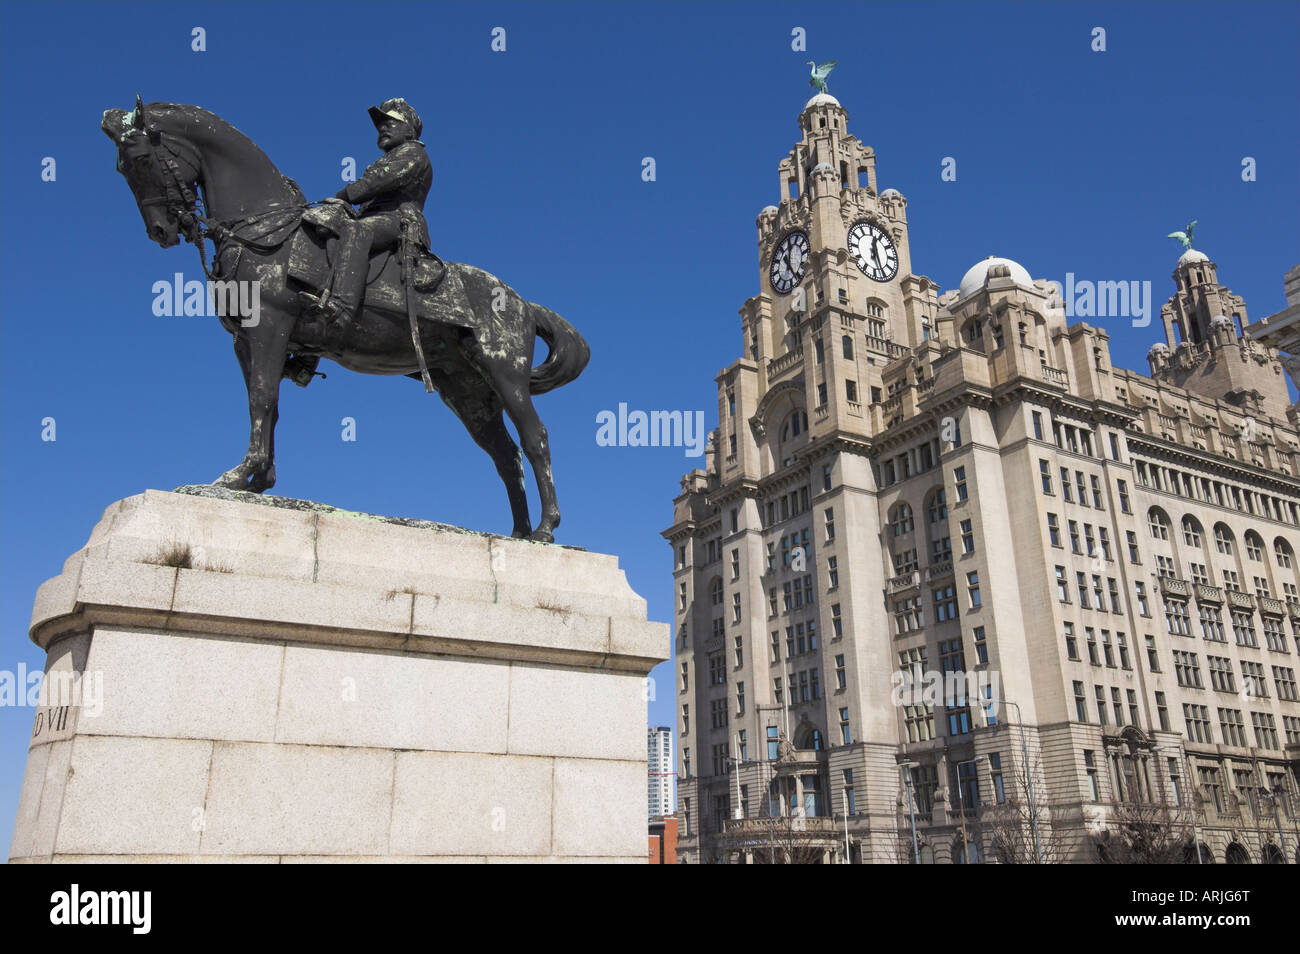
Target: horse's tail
[(569, 351)]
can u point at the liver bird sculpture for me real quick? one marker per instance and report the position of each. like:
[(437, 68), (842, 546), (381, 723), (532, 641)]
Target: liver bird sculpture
[(1184, 237), (819, 74)]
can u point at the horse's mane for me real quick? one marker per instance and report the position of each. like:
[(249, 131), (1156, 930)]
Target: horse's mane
[(172, 115)]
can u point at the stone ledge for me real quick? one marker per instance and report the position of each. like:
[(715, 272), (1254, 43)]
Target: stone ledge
[(321, 576)]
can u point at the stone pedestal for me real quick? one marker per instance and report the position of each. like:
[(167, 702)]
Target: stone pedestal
[(263, 679)]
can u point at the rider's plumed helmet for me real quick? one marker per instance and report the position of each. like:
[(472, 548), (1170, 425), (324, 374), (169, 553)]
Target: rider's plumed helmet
[(397, 109)]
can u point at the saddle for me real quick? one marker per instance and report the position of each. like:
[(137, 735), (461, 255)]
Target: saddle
[(438, 289)]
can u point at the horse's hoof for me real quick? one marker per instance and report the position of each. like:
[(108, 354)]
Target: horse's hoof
[(541, 536)]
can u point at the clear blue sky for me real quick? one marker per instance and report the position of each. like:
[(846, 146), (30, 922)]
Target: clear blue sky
[(1068, 160)]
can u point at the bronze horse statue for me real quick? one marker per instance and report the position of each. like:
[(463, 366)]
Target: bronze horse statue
[(477, 334)]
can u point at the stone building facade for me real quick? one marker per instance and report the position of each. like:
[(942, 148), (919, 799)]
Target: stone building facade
[(948, 570)]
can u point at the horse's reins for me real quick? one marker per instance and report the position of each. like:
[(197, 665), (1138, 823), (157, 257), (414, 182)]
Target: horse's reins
[(184, 203)]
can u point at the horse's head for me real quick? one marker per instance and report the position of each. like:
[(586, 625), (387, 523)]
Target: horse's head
[(162, 174)]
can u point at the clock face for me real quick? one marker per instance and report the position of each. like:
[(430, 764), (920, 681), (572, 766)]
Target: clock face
[(873, 250), (788, 262)]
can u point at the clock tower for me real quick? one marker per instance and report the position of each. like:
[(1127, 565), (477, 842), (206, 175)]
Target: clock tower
[(835, 273)]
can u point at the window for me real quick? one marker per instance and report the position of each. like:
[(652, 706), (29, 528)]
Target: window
[(1221, 675), (1282, 550), (1114, 448), (1123, 496), (826, 477), (1038, 425), (1153, 657), (717, 669), (1254, 547), (773, 744), (1187, 670), (686, 682), (718, 714), (1053, 530), (740, 698), (841, 680), (901, 521), (1045, 475), (837, 626), (1121, 645), (1090, 766), (846, 734), (938, 509), (1062, 585), (832, 571), (1223, 539), (1159, 525), (1162, 712), (1140, 589), (735, 607), (851, 391), (1074, 537), (995, 777), (973, 589), (1243, 628), (1100, 692), (1133, 557), (1083, 493), (1176, 618), (847, 344), (959, 482), (1096, 491), (1091, 635), (830, 523), (1191, 532), (1071, 642), (1066, 493), (1253, 682), (1265, 732), (1080, 702), (1081, 580), (967, 537), (945, 604), (1113, 586)]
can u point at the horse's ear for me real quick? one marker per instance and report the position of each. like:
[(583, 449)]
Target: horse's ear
[(137, 115), (112, 123)]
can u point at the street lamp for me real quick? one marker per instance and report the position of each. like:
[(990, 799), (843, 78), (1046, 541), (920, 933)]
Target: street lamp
[(911, 809), (961, 801), (1029, 775), (1196, 835), (1272, 796)]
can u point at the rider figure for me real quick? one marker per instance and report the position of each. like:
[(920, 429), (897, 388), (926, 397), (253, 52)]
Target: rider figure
[(391, 189)]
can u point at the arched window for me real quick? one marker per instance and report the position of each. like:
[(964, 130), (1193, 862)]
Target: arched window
[(1236, 855), (938, 508), (1159, 523), (900, 521), (847, 343), (1285, 555), (1254, 546), (1223, 539), (1192, 532)]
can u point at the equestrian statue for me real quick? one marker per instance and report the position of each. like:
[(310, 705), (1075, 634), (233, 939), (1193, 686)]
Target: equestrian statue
[(350, 278)]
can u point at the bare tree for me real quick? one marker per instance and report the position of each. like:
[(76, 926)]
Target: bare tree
[(1011, 833), (1147, 833)]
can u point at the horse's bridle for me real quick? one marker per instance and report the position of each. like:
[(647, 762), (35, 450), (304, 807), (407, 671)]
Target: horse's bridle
[(184, 203)]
